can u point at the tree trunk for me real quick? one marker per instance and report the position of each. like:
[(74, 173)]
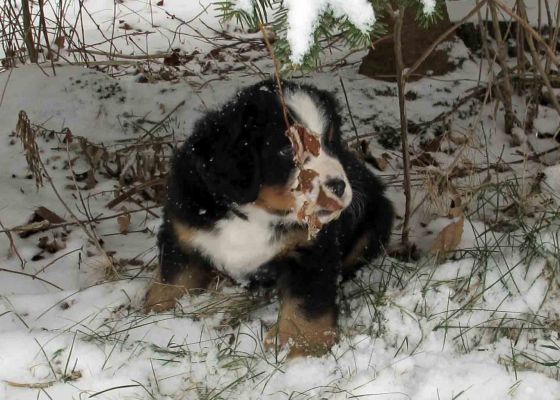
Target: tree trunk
[(380, 62)]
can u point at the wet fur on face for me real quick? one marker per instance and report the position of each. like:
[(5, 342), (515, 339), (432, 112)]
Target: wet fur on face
[(231, 209)]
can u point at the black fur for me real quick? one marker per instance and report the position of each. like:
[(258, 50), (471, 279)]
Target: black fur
[(232, 153)]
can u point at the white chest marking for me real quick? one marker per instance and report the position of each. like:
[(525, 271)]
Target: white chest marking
[(238, 246)]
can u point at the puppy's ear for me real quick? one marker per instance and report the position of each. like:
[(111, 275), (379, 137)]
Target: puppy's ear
[(227, 156)]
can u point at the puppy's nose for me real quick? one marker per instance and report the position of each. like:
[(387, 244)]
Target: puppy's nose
[(337, 186)]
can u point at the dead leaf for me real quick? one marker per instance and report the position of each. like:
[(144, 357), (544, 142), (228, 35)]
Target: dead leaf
[(423, 160), (41, 219), (124, 222), (90, 180), (59, 41), (159, 3), (380, 163), (173, 59), (448, 238), (50, 246), (432, 145), (303, 142), (305, 180)]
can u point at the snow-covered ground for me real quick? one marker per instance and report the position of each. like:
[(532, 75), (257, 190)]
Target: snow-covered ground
[(482, 324)]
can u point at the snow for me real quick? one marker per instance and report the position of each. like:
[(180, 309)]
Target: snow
[(480, 325), (96, 338), (458, 9), (428, 6), (551, 181), (303, 17)]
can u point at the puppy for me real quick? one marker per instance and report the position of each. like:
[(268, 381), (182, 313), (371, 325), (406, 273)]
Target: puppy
[(232, 208)]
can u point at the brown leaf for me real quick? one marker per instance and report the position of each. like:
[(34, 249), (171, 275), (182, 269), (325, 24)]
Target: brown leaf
[(307, 215), (124, 222), (305, 179), (303, 142), (380, 163), (424, 160), (41, 219), (43, 213), (311, 143), (432, 145), (90, 180), (448, 238), (173, 59), (50, 246), (455, 210), (59, 41), (159, 3)]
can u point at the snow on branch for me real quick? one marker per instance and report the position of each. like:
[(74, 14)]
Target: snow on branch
[(303, 18)]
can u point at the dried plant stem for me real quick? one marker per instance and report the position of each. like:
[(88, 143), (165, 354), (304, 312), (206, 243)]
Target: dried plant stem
[(554, 37), (89, 232), (276, 75), (549, 51), (537, 61), (32, 276), (504, 87), (49, 226), (28, 36), (398, 17), (13, 245), (350, 112), (441, 38), (43, 28), (520, 54)]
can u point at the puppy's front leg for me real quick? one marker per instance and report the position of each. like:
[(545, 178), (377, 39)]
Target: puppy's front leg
[(308, 312)]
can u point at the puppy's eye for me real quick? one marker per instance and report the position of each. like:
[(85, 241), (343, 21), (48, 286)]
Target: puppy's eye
[(286, 151)]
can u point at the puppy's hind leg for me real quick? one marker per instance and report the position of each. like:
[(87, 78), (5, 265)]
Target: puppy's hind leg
[(180, 272)]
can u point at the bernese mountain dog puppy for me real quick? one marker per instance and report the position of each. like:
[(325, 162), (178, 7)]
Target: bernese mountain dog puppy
[(232, 209)]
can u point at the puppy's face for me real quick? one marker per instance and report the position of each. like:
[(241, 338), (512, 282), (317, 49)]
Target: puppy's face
[(320, 172), (243, 155)]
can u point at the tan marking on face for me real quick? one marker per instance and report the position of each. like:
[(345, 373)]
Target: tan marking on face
[(356, 253), (307, 336), (328, 202), (276, 199)]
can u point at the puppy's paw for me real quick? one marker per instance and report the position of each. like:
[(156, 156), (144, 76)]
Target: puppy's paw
[(299, 345), (306, 336), (162, 297)]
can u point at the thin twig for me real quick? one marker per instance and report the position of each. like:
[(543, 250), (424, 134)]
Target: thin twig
[(398, 18), (504, 88), (537, 64), (49, 226), (30, 276), (441, 38), (13, 245), (349, 111), (134, 190), (276, 75), (550, 52)]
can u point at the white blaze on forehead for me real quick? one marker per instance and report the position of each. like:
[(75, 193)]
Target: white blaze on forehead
[(308, 112)]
